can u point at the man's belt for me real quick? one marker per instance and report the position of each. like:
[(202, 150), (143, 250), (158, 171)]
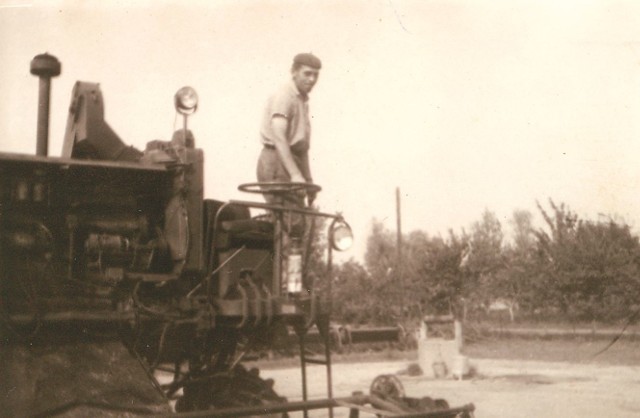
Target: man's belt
[(294, 149)]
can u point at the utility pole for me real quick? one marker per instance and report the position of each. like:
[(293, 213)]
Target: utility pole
[(399, 268), (398, 229)]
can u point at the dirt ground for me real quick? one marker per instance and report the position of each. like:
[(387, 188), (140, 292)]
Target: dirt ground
[(502, 388)]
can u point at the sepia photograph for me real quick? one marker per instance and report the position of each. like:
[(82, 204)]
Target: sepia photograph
[(355, 208)]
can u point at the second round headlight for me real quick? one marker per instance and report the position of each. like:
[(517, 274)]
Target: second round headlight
[(341, 236)]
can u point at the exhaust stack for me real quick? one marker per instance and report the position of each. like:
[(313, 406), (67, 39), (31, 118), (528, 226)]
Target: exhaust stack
[(44, 66)]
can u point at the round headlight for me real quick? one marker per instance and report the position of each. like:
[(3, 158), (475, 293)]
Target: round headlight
[(341, 236), (186, 101)]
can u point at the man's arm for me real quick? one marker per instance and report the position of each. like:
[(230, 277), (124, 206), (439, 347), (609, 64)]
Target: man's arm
[(306, 173), (279, 127), (305, 169)]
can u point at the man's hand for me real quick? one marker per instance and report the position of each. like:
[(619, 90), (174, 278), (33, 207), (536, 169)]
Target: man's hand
[(297, 178), (301, 192)]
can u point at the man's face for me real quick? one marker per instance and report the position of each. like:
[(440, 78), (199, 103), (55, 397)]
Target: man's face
[(305, 78)]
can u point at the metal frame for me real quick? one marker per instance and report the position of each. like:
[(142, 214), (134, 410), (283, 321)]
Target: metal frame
[(355, 403), (302, 328)]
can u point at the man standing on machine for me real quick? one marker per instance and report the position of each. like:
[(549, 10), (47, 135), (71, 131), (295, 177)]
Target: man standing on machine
[(285, 135)]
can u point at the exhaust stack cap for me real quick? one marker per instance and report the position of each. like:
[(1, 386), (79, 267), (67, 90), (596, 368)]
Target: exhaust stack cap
[(45, 65)]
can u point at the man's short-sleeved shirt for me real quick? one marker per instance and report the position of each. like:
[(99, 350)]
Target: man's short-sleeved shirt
[(294, 106)]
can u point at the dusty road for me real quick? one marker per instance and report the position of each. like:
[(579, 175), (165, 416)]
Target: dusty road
[(504, 388)]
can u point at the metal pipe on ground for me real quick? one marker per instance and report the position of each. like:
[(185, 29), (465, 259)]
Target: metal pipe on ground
[(356, 400)]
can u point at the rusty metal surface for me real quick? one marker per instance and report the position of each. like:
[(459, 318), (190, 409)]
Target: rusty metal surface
[(41, 161)]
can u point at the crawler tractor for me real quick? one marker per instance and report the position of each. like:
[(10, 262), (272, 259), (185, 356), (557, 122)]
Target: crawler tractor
[(115, 270)]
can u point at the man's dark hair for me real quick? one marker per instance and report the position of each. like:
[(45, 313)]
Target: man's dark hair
[(307, 59)]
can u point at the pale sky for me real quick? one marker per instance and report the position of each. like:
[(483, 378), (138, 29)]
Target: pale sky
[(464, 105)]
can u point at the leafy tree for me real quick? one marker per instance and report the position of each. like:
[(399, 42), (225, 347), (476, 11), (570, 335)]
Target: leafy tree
[(579, 269), (591, 268), (442, 279), (520, 276), (382, 264), (352, 302), (380, 257), (485, 277), (523, 233)]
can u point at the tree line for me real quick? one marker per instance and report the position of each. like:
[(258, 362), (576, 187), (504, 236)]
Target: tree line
[(570, 269)]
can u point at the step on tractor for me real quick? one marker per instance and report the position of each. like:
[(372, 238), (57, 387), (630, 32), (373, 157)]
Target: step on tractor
[(125, 292)]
